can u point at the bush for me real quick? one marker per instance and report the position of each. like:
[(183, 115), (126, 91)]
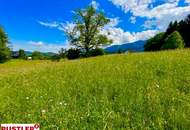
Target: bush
[(155, 43), (120, 51), (36, 55), (73, 53), (56, 57), (173, 41), (97, 52), (5, 54)]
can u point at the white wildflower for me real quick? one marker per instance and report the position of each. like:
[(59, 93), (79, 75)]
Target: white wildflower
[(43, 111), (157, 86)]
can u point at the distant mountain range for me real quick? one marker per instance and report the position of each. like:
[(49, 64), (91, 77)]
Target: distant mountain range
[(29, 53), (137, 46)]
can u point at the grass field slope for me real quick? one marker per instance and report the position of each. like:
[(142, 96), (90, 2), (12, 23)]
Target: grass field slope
[(137, 91)]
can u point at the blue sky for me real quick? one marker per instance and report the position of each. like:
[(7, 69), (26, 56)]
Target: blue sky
[(39, 24)]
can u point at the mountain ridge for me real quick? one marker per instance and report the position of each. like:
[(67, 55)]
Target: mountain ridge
[(137, 46)]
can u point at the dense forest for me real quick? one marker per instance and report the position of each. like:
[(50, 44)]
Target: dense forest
[(176, 36)]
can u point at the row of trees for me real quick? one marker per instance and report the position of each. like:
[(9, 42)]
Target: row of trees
[(74, 53), (21, 54), (176, 36)]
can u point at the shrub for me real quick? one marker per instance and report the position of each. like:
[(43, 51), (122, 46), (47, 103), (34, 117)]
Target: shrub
[(97, 52), (173, 41), (56, 57), (73, 53), (120, 51), (36, 55)]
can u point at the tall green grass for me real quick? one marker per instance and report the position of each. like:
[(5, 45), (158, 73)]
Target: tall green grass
[(137, 91)]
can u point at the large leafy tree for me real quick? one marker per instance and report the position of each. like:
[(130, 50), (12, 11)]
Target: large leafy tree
[(36, 55), (85, 34), (5, 53), (173, 41)]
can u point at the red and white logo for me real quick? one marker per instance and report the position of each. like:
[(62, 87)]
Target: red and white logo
[(20, 127)]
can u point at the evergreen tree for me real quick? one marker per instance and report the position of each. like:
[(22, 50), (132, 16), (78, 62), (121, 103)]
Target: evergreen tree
[(184, 29), (5, 53), (173, 26)]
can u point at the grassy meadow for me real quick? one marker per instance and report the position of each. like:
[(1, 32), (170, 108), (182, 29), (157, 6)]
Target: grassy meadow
[(137, 91)]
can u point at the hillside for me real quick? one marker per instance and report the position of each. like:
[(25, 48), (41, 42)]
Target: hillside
[(137, 46), (127, 91)]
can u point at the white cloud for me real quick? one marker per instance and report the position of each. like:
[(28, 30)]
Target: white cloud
[(113, 22), (51, 25), (158, 18), (39, 43), (119, 36), (68, 26), (132, 20), (131, 5), (150, 23), (59, 26), (161, 14), (187, 1), (95, 4), (39, 46)]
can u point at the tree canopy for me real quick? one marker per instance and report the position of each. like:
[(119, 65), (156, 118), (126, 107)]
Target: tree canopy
[(85, 35), (36, 55), (176, 36), (173, 41), (22, 54)]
